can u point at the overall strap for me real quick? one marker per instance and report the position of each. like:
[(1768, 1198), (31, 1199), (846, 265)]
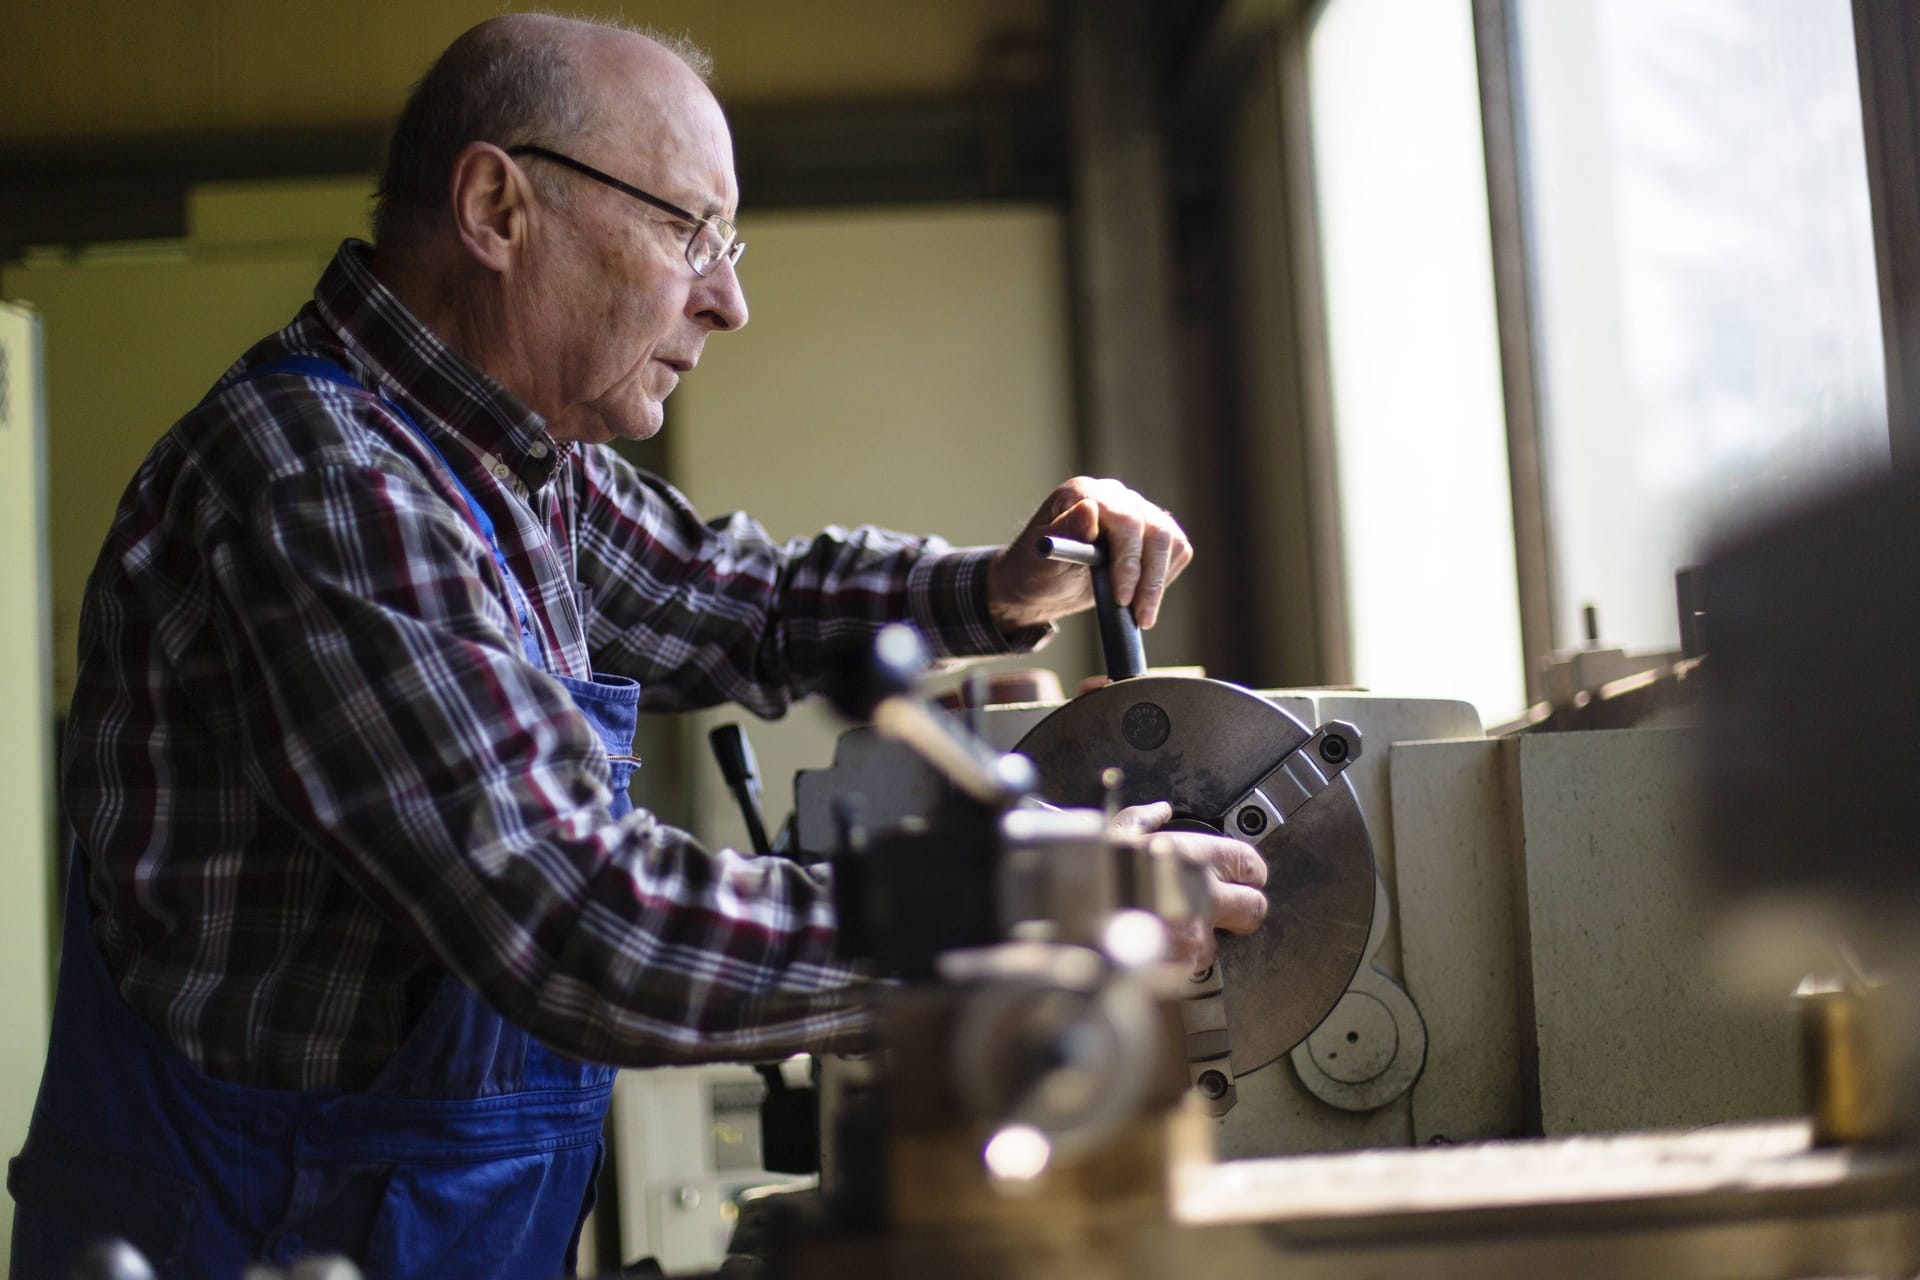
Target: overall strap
[(309, 366)]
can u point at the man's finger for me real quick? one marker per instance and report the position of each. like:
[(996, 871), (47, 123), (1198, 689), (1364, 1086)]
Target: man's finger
[(1123, 530), (1229, 859), (1182, 556), (1080, 522), (1238, 908), (1240, 863), (1156, 560), (1193, 945), (1139, 819)]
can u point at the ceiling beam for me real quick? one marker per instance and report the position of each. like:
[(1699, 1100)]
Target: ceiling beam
[(979, 147)]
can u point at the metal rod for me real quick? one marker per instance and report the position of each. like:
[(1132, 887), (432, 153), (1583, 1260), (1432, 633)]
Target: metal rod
[(1120, 642), (1070, 551)]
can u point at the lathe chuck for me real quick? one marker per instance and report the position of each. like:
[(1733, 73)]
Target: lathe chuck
[(1203, 746)]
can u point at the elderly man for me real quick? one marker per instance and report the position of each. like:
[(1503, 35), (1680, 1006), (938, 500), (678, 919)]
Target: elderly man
[(358, 896)]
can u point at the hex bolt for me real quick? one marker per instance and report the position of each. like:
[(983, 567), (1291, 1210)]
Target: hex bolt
[(1333, 748), (1251, 820), (1213, 1086)]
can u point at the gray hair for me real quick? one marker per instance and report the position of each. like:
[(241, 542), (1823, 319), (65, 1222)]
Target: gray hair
[(506, 81)]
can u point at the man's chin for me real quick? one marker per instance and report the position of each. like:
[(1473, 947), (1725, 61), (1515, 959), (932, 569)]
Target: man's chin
[(598, 423), (647, 423)]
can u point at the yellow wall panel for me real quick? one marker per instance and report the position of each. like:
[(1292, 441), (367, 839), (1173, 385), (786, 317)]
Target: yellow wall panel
[(907, 368), (133, 341), (26, 736), (92, 68)]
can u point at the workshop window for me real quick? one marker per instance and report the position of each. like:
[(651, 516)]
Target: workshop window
[(1705, 317), (1418, 424)]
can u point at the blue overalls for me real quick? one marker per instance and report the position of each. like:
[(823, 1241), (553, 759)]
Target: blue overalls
[(473, 1152)]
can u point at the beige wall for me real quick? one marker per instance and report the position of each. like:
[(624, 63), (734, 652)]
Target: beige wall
[(26, 781), (135, 334), (909, 369)]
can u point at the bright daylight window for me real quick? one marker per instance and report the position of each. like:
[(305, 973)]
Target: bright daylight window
[(1705, 311), (1419, 430)]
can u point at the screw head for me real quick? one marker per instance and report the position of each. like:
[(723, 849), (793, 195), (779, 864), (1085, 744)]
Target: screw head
[(1251, 820), (1333, 748), (1212, 1085)]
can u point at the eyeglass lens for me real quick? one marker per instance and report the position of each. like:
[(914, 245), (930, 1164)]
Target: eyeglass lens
[(712, 241)]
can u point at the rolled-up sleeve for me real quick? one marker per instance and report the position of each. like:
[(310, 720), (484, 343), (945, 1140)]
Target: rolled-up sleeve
[(709, 612)]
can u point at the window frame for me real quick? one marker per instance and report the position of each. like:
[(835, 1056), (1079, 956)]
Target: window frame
[(1887, 40)]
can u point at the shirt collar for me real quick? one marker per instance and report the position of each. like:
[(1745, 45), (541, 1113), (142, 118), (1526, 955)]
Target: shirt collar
[(413, 363)]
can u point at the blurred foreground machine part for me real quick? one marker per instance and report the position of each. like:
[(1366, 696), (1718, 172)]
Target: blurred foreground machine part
[(1812, 765), (1847, 1061), (1813, 753), (1734, 1203)]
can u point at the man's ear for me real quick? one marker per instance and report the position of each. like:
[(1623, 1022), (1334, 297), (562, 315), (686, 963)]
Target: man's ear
[(490, 197)]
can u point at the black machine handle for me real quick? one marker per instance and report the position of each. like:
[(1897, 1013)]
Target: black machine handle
[(742, 772), (1120, 641)]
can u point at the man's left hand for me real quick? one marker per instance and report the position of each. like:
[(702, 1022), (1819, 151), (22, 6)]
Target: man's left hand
[(1235, 878), (1146, 551)]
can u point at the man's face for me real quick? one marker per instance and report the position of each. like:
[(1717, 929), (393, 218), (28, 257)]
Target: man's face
[(616, 314)]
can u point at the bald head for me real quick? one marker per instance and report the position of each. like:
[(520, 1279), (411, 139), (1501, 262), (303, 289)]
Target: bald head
[(513, 79)]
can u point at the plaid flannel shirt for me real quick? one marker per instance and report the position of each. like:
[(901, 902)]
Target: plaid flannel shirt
[(313, 771)]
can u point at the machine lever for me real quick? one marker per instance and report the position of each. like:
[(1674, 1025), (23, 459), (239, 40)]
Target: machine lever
[(1120, 641), (742, 772)]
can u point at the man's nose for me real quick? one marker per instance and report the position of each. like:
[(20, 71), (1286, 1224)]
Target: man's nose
[(718, 301)]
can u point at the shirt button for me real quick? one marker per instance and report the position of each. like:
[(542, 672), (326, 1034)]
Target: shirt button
[(500, 471), (537, 449)]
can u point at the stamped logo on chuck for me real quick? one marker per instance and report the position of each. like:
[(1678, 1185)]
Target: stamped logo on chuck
[(1145, 726)]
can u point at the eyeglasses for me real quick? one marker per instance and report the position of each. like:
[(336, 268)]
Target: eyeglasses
[(713, 237)]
